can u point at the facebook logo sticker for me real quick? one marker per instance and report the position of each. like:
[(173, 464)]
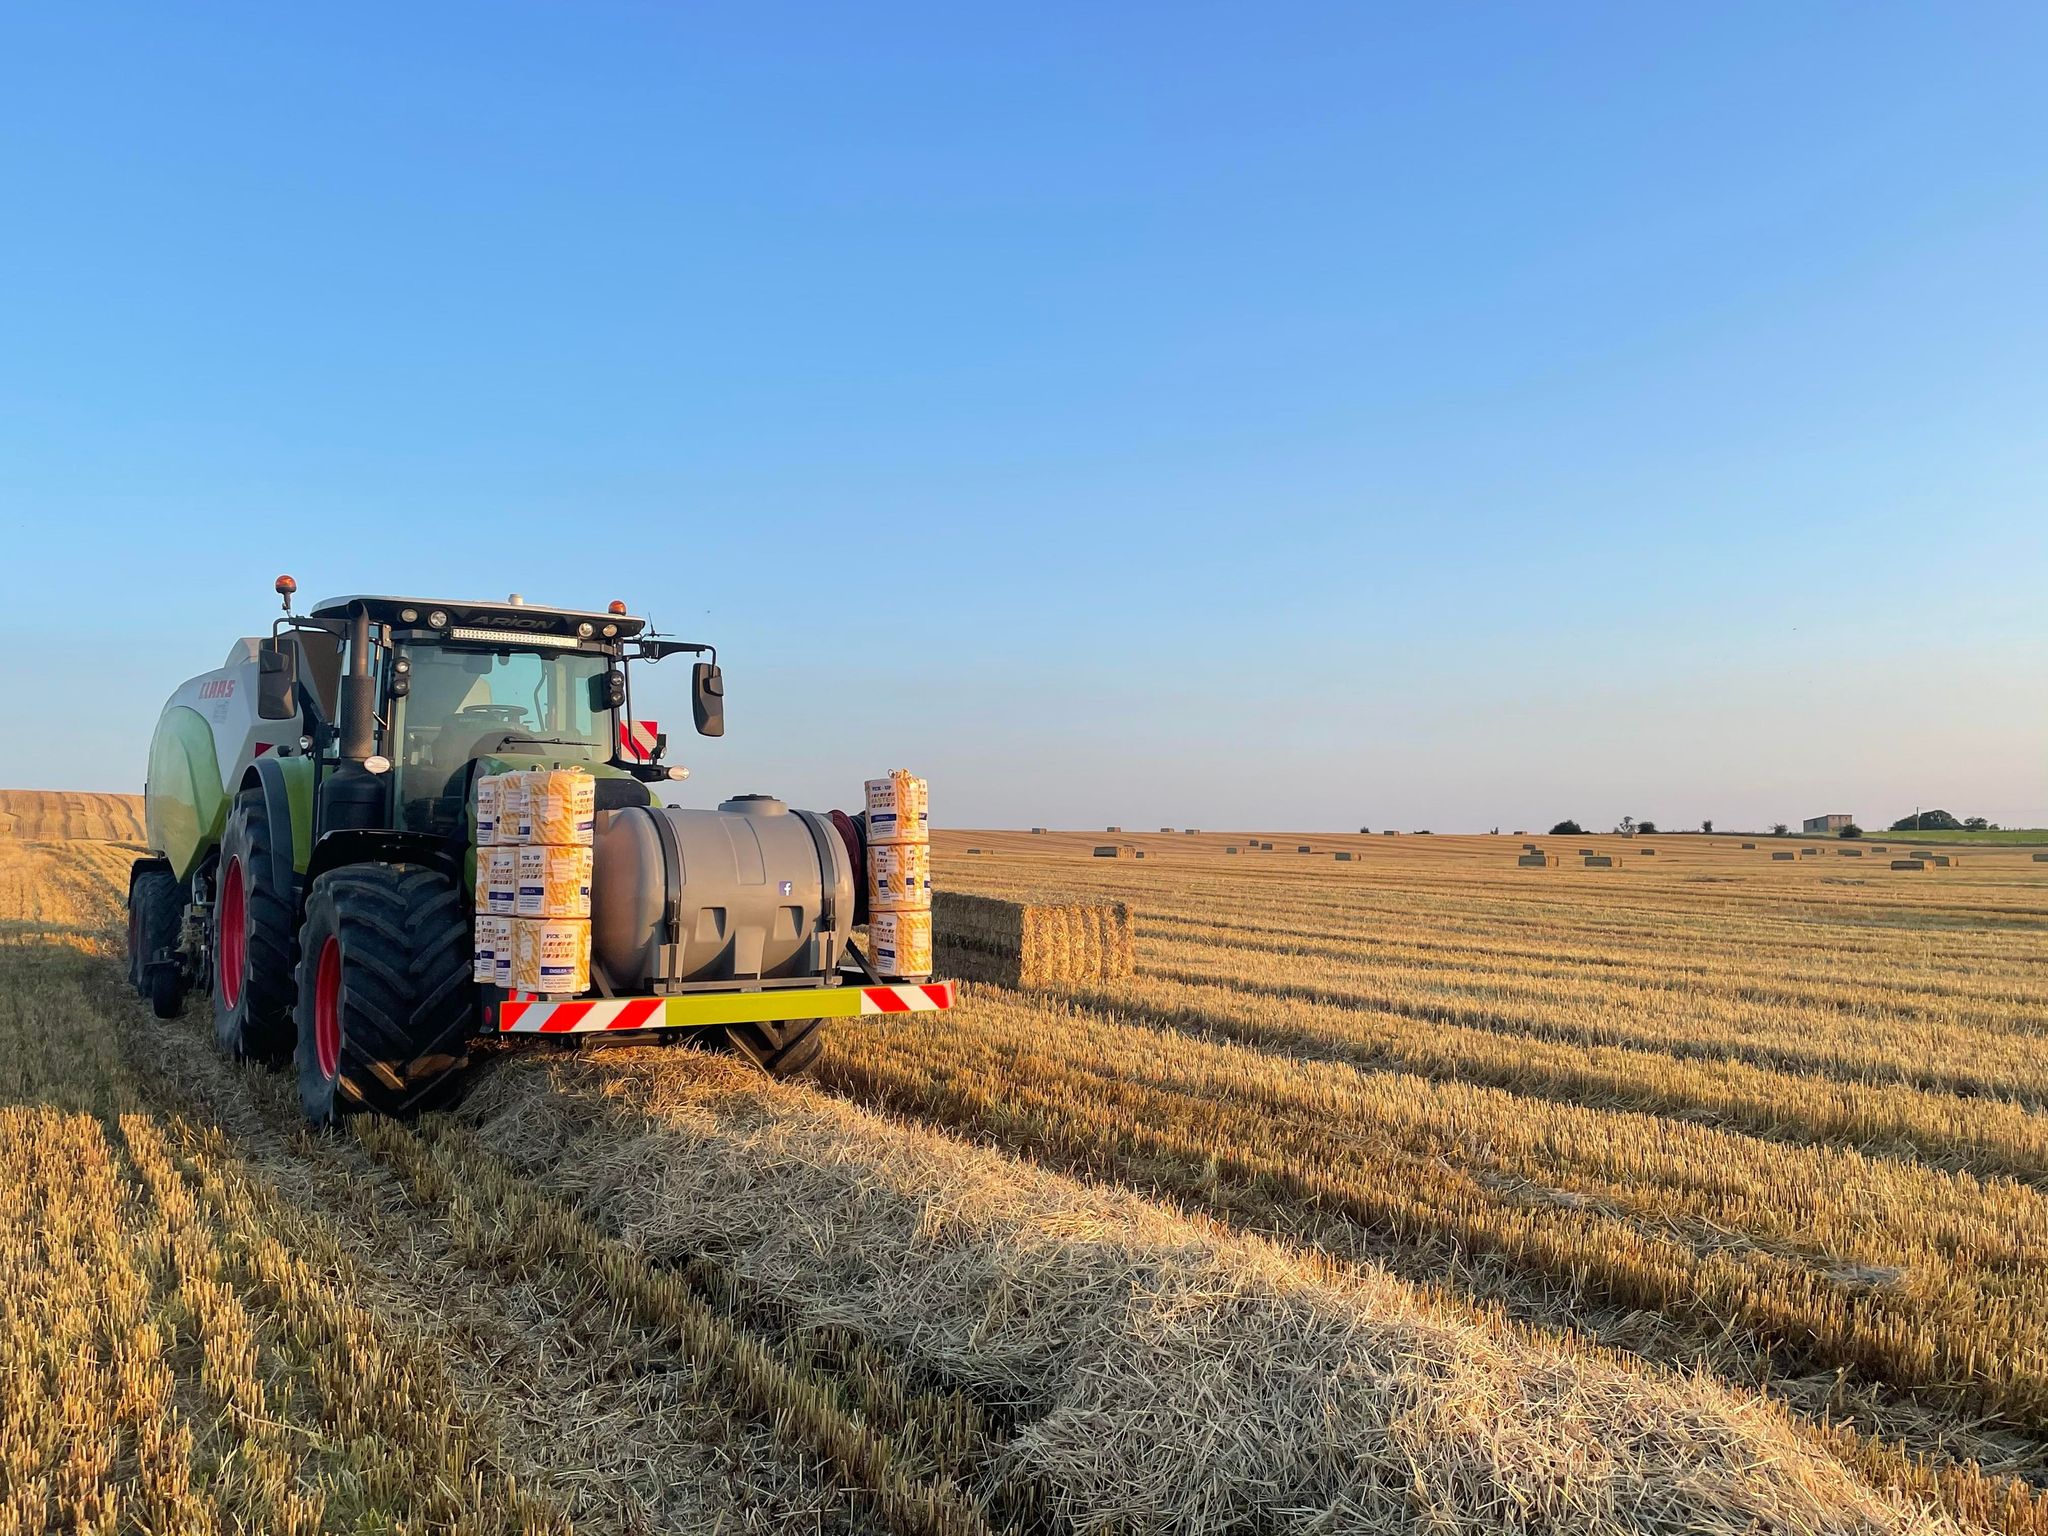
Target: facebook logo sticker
[(787, 886)]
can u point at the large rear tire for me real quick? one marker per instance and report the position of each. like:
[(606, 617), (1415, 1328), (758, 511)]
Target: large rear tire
[(255, 950), (781, 1049), (386, 1007), (156, 909)]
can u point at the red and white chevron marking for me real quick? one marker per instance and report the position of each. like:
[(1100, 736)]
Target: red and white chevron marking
[(922, 998), (522, 1013), (636, 740)]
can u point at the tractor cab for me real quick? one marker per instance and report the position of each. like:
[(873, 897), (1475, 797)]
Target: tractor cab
[(403, 697)]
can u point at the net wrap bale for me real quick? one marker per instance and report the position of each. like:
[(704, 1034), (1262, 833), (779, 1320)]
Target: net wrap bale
[(1031, 943)]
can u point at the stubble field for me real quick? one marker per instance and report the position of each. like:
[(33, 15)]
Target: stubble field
[(1413, 1192)]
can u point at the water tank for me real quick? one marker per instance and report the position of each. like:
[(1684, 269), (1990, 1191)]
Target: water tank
[(753, 891)]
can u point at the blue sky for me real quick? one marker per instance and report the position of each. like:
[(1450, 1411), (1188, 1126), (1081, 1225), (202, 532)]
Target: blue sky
[(1283, 416)]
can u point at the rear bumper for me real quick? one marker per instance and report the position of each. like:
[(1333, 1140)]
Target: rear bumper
[(521, 1014)]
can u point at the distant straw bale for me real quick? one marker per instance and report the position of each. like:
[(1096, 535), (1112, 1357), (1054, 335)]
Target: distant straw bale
[(1031, 944), (1787, 855), (1909, 863), (1110, 850), (1599, 861)]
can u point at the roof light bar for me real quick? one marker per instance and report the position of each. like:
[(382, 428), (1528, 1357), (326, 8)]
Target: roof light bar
[(514, 637)]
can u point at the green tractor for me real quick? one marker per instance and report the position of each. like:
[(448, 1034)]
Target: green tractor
[(311, 810)]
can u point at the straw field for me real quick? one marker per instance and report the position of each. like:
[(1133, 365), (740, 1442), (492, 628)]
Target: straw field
[(1416, 1192)]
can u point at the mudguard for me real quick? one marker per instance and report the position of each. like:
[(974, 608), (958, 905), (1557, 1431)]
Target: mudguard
[(287, 785), (376, 845)]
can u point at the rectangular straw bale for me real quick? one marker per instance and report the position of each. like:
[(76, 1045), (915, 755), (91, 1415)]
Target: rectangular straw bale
[(1599, 861), (1109, 851), (1031, 944), (1786, 856), (1038, 831), (1749, 845), (1304, 848), (2041, 858), (1940, 860), (1535, 860), (1909, 863), (1343, 858)]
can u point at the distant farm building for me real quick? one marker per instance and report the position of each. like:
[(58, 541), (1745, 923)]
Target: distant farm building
[(1827, 826)]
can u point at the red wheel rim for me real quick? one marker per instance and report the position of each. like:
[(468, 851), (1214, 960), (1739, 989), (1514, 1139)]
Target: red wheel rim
[(234, 933), (327, 1008)]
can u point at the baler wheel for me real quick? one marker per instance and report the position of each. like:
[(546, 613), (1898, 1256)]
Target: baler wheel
[(385, 1007), (781, 1049), (155, 910), (254, 948)]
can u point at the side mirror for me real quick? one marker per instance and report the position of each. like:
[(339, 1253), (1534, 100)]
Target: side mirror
[(277, 681), (707, 698)]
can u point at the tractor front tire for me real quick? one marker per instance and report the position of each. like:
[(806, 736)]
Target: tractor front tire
[(386, 1007), (156, 909), (254, 947), (781, 1049)]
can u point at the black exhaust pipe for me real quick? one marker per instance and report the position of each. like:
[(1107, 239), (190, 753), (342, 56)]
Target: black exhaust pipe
[(358, 694), (354, 796)]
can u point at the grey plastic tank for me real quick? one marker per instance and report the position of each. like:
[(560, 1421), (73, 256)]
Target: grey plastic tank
[(752, 891)]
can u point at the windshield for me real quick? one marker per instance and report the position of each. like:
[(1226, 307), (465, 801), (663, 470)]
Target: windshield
[(464, 702)]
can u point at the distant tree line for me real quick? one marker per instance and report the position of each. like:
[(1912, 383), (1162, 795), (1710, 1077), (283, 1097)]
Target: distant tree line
[(1942, 821)]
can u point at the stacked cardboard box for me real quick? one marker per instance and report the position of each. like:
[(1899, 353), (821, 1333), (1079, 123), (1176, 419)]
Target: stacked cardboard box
[(899, 875), (533, 880)]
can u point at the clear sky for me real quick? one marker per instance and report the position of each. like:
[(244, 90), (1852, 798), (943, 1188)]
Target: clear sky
[(1247, 416)]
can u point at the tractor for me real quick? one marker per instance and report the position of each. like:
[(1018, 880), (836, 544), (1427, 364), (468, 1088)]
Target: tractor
[(311, 812)]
